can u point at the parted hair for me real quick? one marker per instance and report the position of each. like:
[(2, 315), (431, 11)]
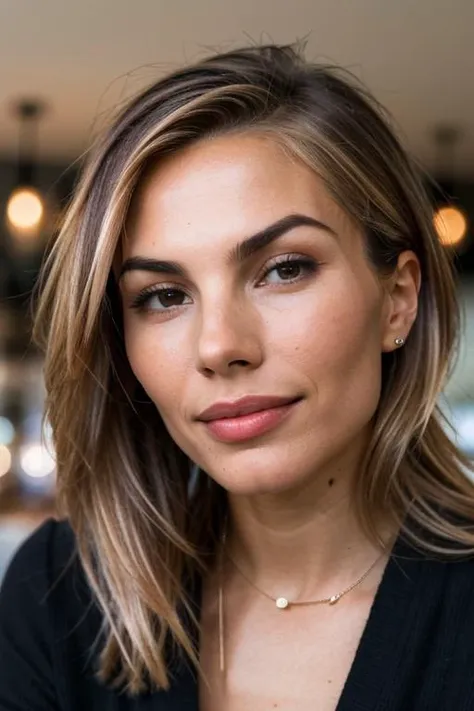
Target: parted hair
[(122, 481)]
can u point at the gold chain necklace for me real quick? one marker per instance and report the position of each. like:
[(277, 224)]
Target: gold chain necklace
[(282, 603)]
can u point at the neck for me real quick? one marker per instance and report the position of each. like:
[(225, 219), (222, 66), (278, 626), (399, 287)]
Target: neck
[(302, 544)]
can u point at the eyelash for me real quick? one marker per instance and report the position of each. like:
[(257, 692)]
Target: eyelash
[(308, 265)]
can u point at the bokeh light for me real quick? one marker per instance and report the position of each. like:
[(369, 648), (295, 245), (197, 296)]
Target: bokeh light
[(36, 461), (5, 460), (7, 431), (25, 209), (451, 225)]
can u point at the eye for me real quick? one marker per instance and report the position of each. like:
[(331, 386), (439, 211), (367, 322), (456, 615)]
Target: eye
[(163, 298), (288, 269)]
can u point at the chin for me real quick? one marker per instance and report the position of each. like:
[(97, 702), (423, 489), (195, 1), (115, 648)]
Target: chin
[(255, 480), (249, 486)]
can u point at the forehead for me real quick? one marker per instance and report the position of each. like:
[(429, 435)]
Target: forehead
[(221, 189)]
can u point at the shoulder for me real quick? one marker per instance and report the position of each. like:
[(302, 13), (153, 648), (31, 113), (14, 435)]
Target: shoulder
[(446, 581), (441, 580), (51, 542), (45, 593), (46, 578), (460, 576), (44, 584), (46, 553), (43, 598)]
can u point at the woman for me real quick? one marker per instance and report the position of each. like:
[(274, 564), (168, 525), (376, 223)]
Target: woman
[(247, 320)]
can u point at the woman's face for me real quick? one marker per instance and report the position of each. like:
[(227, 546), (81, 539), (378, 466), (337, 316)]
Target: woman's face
[(245, 287)]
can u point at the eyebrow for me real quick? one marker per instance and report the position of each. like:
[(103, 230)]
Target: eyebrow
[(239, 253)]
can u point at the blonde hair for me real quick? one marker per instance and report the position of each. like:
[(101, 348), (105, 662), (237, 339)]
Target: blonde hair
[(122, 481)]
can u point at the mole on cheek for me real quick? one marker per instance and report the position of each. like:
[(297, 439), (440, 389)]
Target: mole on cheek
[(331, 482)]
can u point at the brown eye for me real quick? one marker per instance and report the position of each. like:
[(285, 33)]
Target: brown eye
[(291, 270), (170, 297), (160, 299)]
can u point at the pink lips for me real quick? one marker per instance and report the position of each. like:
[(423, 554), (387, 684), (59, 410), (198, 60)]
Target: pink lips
[(248, 417)]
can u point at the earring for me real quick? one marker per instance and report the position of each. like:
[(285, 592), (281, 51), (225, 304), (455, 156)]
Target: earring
[(399, 341)]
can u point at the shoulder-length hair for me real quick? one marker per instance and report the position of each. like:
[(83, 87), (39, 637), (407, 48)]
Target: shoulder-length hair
[(122, 481)]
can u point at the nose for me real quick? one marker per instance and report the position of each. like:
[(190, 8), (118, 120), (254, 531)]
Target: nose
[(229, 339)]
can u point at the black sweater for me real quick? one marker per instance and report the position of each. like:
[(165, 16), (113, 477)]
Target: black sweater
[(416, 652)]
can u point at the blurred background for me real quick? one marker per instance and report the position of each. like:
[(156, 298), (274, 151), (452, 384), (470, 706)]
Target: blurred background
[(65, 66)]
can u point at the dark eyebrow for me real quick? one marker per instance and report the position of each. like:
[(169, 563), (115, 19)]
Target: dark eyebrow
[(146, 264), (239, 253), (269, 234)]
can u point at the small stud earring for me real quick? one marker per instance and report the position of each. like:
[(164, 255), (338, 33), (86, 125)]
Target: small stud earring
[(399, 341)]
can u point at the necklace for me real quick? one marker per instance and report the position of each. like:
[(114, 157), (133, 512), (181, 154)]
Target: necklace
[(282, 603)]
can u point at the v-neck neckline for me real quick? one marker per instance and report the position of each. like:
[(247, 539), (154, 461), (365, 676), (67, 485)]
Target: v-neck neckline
[(390, 621), (380, 649)]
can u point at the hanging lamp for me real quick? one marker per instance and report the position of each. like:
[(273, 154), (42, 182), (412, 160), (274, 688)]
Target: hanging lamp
[(25, 206), (449, 220)]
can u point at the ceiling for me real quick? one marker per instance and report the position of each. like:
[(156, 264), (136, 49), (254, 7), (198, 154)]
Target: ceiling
[(85, 57)]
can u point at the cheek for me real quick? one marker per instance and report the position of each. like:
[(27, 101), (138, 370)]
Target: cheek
[(158, 363), (334, 342)]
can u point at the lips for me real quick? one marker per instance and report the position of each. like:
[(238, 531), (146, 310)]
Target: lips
[(248, 418), (244, 406)]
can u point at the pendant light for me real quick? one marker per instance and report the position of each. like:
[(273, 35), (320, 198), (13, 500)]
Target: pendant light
[(25, 206), (449, 219)]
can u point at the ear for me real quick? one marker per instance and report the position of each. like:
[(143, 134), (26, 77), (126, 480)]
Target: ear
[(401, 300)]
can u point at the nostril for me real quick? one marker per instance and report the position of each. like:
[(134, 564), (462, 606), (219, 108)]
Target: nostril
[(238, 362), (243, 363)]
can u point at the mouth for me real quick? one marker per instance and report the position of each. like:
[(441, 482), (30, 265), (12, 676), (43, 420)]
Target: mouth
[(248, 417)]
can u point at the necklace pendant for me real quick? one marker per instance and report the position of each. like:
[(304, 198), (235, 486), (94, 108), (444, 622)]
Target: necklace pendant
[(282, 603), (334, 599)]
